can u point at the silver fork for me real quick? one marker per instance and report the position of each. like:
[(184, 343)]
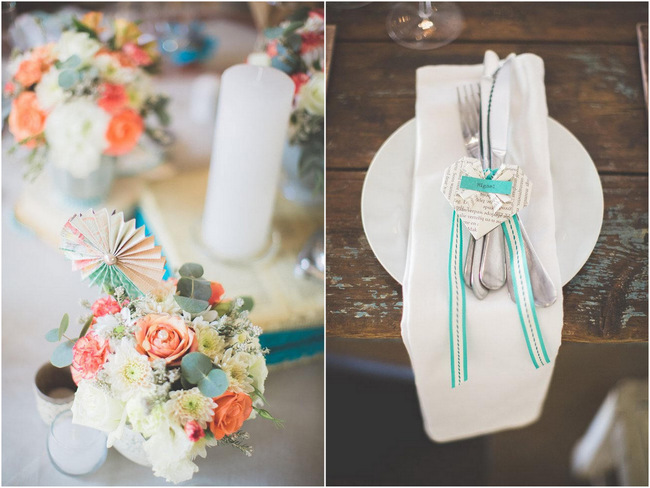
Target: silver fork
[(469, 106)]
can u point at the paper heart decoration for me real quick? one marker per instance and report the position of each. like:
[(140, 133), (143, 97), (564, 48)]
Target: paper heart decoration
[(482, 201)]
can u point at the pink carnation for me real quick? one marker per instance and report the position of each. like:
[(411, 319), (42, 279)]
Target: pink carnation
[(135, 53), (88, 356), (105, 306), (311, 41), (194, 431)]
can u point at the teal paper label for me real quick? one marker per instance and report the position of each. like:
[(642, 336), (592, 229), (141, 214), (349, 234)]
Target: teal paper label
[(486, 186)]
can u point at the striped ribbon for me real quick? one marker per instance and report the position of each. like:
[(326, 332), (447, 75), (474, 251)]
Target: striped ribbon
[(523, 295)]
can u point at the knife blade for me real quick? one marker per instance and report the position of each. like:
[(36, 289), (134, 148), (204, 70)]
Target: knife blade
[(492, 272)]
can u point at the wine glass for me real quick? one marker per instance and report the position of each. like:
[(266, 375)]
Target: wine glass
[(427, 25)]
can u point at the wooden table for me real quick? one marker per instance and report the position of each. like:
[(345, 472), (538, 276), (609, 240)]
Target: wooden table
[(594, 88)]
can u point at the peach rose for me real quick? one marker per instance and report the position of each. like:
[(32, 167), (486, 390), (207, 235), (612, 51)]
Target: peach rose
[(123, 132), (113, 97), (105, 306), (217, 292), (162, 336), (231, 412), (29, 72), (26, 118), (88, 356)]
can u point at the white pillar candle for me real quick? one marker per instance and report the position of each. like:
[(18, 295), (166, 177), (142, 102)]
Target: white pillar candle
[(251, 129)]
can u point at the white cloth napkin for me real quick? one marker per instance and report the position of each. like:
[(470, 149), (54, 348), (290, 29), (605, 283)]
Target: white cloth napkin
[(504, 390)]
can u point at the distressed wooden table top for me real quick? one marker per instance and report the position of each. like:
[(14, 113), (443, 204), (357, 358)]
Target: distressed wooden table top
[(594, 88)]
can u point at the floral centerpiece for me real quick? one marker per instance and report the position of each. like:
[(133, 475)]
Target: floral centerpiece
[(296, 47), (86, 99), (172, 360)]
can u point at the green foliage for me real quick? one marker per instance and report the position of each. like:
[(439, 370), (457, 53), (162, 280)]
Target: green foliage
[(62, 355), (299, 15), (191, 305), (197, 369), (52, 335), (84, 28), (68, 78), (63, 326), (86, 326), (249, 303), (191, 270), (266, 415)]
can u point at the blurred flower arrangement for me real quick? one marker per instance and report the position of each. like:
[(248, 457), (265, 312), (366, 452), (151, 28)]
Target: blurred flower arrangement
[(85, 97), (296, 47), (177, 363)]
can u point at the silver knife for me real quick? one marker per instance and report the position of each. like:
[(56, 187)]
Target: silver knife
[(494, 261), (492, 271)]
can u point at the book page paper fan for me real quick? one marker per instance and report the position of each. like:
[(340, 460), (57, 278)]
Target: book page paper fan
[(111, 252)]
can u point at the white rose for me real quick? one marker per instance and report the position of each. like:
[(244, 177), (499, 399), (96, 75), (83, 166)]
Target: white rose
[(143, 421), (79, 43), (48, 91), (259, 372), (75, 132), (312, 95), (94, 407), (170, 453)]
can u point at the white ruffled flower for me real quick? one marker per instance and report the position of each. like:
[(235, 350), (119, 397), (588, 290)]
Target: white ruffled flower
[(79, 43), (94, 407), (186, 405), (160, 300), (236, 366), (144, 420), (170, 453), (75, 132), (259, 372), (312, 95), (48, 91), (129, 373)]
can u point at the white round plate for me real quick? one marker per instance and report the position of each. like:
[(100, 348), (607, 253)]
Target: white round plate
[(386, 199)]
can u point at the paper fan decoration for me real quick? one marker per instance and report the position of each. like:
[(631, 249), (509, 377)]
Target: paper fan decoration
[(111, 252)]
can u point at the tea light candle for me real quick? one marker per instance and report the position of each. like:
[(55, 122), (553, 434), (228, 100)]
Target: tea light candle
[(251, 129), (74, 449)]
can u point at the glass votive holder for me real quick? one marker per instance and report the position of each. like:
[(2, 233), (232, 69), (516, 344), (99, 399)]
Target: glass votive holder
[(75, 450)]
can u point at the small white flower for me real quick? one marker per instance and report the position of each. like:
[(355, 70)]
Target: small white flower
[(210, 342), (186, 405), (79, 43), (144, 420), (129, 373), (259, 372), (111, 70), (75, 132)]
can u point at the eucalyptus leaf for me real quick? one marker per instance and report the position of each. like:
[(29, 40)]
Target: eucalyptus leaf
[(67, 78), (184, 286), (186, 384), (52, 335), (63, 326), (62, 355), (191, 270), (191, 305), (195, 366), (202, 290), (281, 64), (214, 384), (293, 42), (86, 326), (72, 62), (249, 303)]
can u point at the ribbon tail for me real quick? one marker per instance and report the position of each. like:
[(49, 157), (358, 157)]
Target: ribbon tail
[(457, 322), (524, 292)]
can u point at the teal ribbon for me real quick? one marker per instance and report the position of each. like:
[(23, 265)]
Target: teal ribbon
[(523, 295)]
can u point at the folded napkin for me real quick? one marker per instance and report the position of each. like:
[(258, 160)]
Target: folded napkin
[(504, 389)]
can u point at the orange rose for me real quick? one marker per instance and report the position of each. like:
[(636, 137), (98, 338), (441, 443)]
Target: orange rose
[(113, 97), (123, 132), (231, 412), (26, 118), (164, 337), (217, 292)]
